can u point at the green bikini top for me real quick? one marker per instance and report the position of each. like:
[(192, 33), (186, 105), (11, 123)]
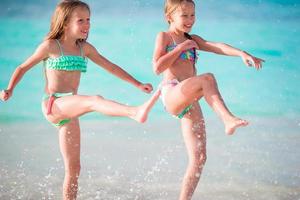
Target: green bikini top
[(67, 62)]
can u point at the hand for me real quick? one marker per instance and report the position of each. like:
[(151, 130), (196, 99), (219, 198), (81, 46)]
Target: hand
[(146, 87), (188, 44), (250, 61), (5, 95)]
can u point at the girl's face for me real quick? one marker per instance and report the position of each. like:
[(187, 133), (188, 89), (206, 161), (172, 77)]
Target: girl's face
[(79, 23), (183, 18)]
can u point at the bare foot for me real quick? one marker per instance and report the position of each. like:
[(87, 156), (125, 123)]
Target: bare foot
[(234, 123), (142, 111)]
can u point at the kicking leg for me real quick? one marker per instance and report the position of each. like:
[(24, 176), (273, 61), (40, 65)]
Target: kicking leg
[(192, 89), (77, 105)]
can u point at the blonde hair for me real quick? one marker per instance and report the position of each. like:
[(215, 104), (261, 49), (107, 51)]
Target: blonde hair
[(172, 5), (62, 16)]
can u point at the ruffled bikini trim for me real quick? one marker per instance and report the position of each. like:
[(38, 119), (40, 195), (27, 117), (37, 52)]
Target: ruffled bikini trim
[(67, 63)]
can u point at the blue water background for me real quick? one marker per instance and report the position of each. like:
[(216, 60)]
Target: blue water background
[(125, 31)]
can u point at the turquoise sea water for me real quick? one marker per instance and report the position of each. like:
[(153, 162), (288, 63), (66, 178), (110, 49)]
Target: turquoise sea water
[(125, 34)]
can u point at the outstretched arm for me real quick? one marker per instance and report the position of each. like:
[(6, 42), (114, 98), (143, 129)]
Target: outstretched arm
[(225, 49), (40, 54), (162, 59), (92, 53)]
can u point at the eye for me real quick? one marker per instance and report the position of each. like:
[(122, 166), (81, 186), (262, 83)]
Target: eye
[(80, 20)]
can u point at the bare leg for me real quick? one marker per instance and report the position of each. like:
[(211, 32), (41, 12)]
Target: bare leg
[(77, 105), (69, 142), (193, 89), (193, 130)]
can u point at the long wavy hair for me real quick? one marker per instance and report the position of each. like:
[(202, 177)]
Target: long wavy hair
[(172, 5), (61, 17)]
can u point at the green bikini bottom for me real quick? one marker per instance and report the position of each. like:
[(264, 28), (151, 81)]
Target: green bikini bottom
[(186, 110), (51, 98)]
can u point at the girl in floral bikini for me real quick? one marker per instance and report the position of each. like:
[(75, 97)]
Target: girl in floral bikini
[(181, 88)]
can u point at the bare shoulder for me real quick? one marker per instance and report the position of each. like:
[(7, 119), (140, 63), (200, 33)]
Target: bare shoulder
[(46, 48), (50, 47), (164, 36), (163, 39), (45, 45), (86, 45), (50, 44), (88, 48)]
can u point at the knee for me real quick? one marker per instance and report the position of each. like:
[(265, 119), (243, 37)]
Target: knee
[(94, 100), (209, 77)]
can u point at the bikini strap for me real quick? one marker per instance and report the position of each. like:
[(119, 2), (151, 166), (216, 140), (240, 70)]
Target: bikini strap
[(174, 43), (60, 47), (81, 50)]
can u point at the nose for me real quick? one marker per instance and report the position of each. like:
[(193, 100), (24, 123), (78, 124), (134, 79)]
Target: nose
[(191, 19), (87, 25)]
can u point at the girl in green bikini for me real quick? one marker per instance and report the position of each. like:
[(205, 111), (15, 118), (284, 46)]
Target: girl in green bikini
[(65, 52)]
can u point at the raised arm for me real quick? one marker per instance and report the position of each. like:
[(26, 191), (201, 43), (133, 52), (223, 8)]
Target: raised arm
[(163, 59), (92, 53), (225, 49), (40, 53)]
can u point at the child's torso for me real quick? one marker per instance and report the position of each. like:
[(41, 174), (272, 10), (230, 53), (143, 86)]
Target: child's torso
[(184, 65), (63, 72)]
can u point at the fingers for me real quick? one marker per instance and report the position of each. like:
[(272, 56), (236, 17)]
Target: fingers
[(150, 89), (189, 44), (194, 44), (255, 62), (4, 95), (258, 62), (147, 88), (259, 65), (248, 63)]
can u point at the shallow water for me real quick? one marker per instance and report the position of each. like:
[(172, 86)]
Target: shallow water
[(126, 160)]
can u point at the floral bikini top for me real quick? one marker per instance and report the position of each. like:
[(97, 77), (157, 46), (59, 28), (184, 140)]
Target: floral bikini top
[(189, 54), (67, 62)]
